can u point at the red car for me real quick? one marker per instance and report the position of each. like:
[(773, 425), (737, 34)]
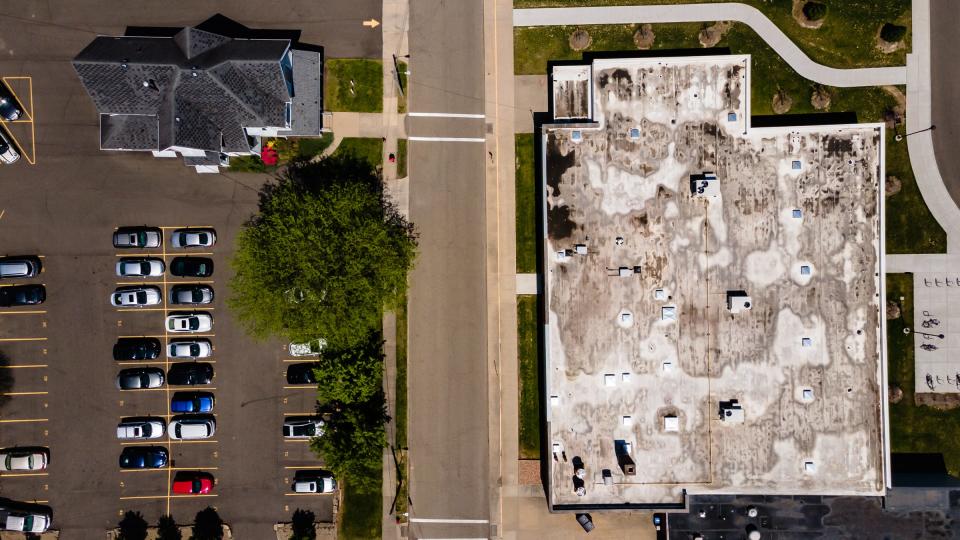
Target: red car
[(193, 483)]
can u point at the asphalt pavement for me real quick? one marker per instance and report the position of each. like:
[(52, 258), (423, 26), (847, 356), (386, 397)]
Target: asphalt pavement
[(945, 72), (448, 393)]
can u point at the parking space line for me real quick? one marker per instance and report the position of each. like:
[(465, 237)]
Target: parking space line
[(166, 343), (202, 282), (300, 387), (306, 467), (306, 359), (163, 253), (307, 494), (171, 441), (148, 362), (189, 227), (17, 475), (25, 312), (300, 413), (24, 393), (24, 366), (169, 469), (168, 497), (22, 420), (158, 336), (23, 339), (296, 440)]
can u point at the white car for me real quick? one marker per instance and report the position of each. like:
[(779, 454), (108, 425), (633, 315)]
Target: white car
[(192, 428), (145, 428), (187, 238), (26, 459), (137, 267), (320, 483), (189, 322), (32, 522), (135, 296), (8, 153), (307, 348), (197, 348)]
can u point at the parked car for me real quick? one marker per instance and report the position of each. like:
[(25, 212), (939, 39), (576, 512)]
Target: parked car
[(192, 402), (191, 267), (190, 374), (137, 237), (24, 521), (137, 378), (585, 521), (192, 483), (140, 428), (143, 457), (22, 295), (20, 267), (139, 348), (191, 294), (189, 322), (314, 482), (189, 348), (24, 459), (201, 426), (8, 151), (187, 238), (9, 106), (307, 348), (301, 373), (140, 267), (135, 296), (302, 427)]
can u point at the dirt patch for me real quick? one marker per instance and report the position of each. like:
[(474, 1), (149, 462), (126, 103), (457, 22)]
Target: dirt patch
[(802, 19), (711, 35), (942, 402), (885, 46), (529, 473), (782, 102), (644, 37), (893, 310), (820, 98), (580, 40), (891, 187), (896, 394)]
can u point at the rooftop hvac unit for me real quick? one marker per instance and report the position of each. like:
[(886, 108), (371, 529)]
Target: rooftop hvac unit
[(738, 301), (731, 412)]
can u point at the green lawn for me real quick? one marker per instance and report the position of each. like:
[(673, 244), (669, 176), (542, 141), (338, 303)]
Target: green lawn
[(911, 228), (308, 147), (915, 428), (846, 38), (361, 513), (401, 158), (402, 98), (353, 84), (529, 375), (526, 196), (401, 382), (368, 148)]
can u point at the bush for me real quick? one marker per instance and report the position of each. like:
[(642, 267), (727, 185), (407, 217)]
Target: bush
[(892, 33), (814, 11)]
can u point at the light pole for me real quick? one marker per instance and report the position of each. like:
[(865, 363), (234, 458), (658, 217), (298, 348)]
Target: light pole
[(900, 137)]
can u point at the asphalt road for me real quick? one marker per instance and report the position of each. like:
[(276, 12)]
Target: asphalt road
[(65, 208), (448, 426), (945, 72)]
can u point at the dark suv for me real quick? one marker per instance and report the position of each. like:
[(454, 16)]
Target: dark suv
[(22, 295), (9, 107), (136, 349), (191, 267)]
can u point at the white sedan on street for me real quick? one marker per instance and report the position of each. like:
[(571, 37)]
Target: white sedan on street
[(135, 296), (189, 322)]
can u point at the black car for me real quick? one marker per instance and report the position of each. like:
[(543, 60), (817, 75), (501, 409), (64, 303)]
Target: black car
[(190, 373), (136, 349), (191, 267), (22, 295), (9, 107), (301, 373), (143, 457)]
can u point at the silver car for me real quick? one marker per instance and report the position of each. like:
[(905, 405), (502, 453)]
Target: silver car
[(192, 427), (193, 348), (139, 267), (24, 459), (140, 378), (140, 428), (189, 322), (8, 152), (19, 267), (187, 238), (137, 237), (135, 296)]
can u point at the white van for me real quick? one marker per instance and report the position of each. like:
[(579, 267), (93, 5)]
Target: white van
[(192, 428)]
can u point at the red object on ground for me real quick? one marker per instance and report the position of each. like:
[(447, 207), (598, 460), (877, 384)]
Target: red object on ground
[(268, 156), (193, 483)]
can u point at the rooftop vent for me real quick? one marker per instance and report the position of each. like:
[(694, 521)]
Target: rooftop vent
[(581, 249), (634, 133), (668, 313), (731, 412), (796, 165), (704, 185), (738, 301), (622, 449), (576, 135), (671, 423), (809, 466)]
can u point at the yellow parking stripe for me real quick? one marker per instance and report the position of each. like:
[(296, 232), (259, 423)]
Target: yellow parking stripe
[(154, 442), (24, 366), (306, 494), (16, 475), (25, 312), (301, 387), (202, 282), (24, 393), (189, 227), (23, 339), (169, 469), (307, 467), (174, 335), (23, 420), (159, 497)]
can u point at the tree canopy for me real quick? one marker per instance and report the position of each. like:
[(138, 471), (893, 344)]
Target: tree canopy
[(325, 255), (892, 33), (353, 440), (351, 375)]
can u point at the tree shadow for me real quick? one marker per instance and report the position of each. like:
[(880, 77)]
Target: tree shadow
[(132, 526), (207, 525), (303, 524), (6, 379)]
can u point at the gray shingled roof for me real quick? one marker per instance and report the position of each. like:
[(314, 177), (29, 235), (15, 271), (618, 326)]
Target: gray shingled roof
[(307, 94), (198, 88), (128, 132)]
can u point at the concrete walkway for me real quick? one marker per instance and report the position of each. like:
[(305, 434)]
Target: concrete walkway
[(748, 15)]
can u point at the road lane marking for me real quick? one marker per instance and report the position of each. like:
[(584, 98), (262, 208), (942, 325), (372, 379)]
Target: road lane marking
[(24, 366), (449, 139), (17, 475), (23, 420), (23, 339), (446, 115)]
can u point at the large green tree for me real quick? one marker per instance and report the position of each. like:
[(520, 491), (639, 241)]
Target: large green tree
[(353, 440), (353, 375), (325, 255)]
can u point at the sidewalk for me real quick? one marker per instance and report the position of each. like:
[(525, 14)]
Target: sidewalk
[(748, 15)]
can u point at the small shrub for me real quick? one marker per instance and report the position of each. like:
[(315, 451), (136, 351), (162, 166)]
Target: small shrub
[(247, 164), (814, 11), (892, 33)]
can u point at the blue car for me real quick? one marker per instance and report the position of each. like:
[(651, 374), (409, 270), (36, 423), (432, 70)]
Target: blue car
[(143, 457), (191, 402)]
